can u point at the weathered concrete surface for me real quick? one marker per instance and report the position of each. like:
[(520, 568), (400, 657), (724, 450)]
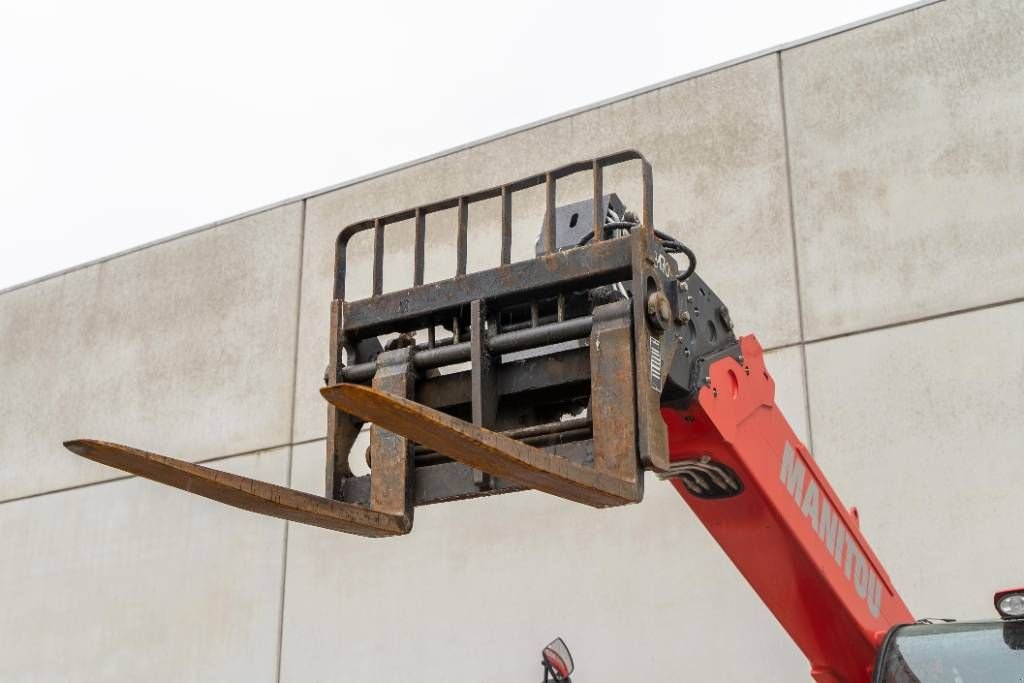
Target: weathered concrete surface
[(482, 585), (907, 151), (920, 426), (720, 183), (133, 581), (186, 348), (905, 147), (786, 366)]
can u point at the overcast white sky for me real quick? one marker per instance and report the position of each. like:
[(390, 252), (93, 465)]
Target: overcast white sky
[(124, 122)]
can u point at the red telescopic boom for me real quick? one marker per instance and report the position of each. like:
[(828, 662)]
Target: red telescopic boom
[(788, 533)]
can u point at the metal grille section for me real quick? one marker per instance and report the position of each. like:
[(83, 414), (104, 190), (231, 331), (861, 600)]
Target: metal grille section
[(549, 180), (549, 399)]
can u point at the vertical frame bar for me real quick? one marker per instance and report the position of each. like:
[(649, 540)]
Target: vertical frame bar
[(506, 225), (652, 434), (612, 394), (483, 392), (340, 254), (419, 249), (549, 213), (342, 429), (484, 398), (460, 266), (392, 480), (647, 211), (598, 171), (378, 257)]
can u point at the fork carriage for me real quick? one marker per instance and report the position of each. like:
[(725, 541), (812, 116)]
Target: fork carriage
[(571, 355)]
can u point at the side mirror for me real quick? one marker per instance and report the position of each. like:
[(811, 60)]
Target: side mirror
[(557, 661)]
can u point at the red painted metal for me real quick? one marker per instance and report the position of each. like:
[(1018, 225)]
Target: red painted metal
[(787, 532)]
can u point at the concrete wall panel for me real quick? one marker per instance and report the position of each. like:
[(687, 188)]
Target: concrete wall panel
[(185, 348), (133, 581), (786, 366), (907, 147), (920, 427), (480, 586), (717, 148)]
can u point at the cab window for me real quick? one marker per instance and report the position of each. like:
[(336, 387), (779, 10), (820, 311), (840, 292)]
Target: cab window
[(980, 652)]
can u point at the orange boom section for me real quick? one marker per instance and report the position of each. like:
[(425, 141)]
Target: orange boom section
[(786, 529)]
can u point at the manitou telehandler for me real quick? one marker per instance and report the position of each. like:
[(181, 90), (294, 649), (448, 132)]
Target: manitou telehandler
[(598, 359)]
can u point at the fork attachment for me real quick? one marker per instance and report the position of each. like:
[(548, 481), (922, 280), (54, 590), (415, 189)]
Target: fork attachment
[(542, 374), (547, 373)]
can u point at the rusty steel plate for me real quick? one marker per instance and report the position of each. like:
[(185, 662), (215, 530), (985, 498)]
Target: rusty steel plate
[(481, 448)]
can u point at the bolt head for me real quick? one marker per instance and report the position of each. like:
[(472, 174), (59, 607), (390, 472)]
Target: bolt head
[(723, 315), (659, 310)]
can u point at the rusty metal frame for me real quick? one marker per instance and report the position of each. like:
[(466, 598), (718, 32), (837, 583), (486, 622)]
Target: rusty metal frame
[(473, 303), (549, 179)]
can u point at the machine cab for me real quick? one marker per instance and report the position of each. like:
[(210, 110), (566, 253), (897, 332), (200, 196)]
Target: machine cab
[(958, 652)]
